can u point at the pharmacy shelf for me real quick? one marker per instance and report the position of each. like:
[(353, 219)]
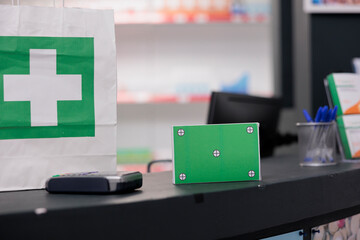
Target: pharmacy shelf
[(153, 18), (333, 8), (180, 11), (146, 97), (143, 97)]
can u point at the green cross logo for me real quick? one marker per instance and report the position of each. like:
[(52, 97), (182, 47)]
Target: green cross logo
[(46, 87)]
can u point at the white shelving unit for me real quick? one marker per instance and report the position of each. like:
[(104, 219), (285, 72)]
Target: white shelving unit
[(310, 7), (153, 58)]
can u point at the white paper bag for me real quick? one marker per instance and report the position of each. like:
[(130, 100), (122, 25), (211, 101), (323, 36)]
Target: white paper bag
[(57, 93)]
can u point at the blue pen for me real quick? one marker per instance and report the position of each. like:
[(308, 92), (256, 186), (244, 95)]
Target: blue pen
[(323, 137), (333, 114), (308, 157), (324, 114), (331, 117), (307, 116), (318, 114), (328, 115), (320, 131)]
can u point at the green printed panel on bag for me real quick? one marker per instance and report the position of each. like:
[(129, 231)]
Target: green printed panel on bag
[(46, 87)]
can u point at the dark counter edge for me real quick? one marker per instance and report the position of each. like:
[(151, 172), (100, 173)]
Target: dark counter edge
[(249, 213)]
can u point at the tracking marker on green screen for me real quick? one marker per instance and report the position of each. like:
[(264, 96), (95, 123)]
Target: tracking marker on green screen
[(216, 153)]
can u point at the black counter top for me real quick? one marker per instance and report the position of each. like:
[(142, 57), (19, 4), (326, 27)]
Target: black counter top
[(288, 198)]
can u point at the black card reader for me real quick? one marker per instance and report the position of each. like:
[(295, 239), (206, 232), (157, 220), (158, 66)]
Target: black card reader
[(94, 182)]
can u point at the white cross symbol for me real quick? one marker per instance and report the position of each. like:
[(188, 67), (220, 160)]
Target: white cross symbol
[(250, 130), (181, 132), (251, 173), (216, 153), (182, 176), (42, 87)]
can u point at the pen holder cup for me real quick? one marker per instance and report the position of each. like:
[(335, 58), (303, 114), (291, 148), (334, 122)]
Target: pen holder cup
[(317, 143)]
